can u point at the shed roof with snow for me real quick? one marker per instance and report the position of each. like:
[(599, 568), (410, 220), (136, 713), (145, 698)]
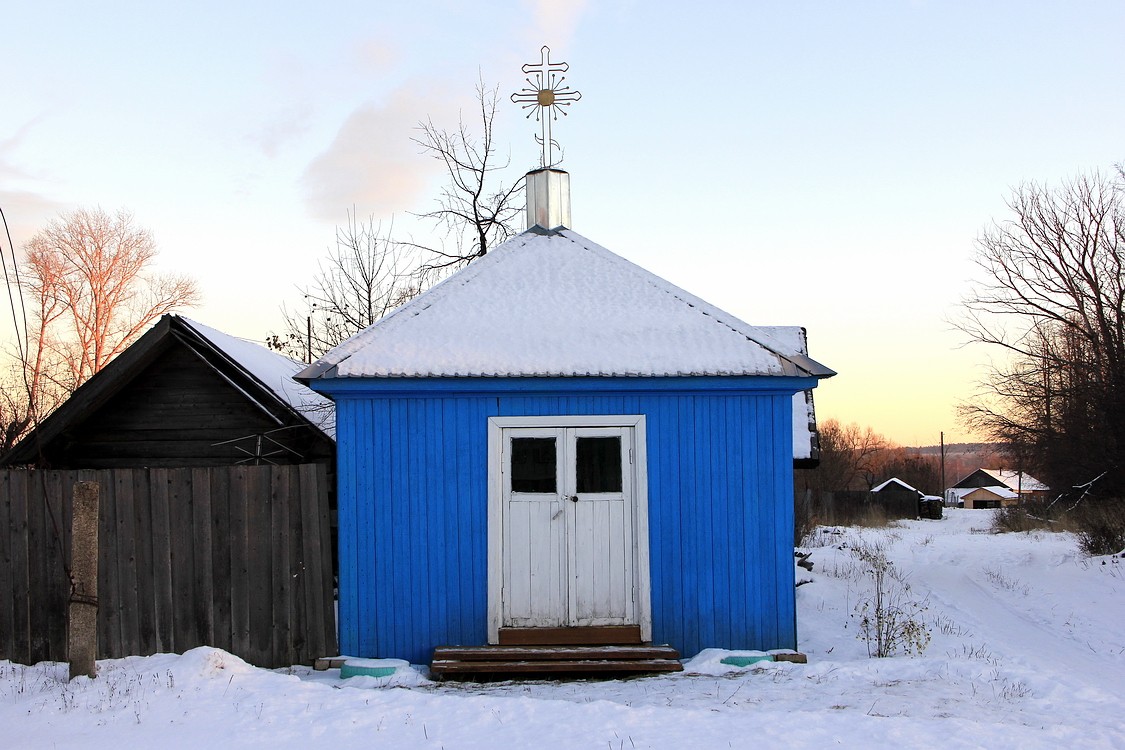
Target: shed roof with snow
[(894, 483), (185, 394)]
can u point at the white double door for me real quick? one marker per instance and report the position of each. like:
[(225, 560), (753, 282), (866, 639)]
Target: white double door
[(569, 527)]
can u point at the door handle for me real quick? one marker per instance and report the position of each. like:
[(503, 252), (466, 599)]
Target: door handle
[(574, 498)]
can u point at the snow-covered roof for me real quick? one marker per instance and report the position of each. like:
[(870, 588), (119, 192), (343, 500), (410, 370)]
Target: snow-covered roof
[(555, 304), (804, 413), (1001, 492), (275, 371), (895, 481), (956, 493), (1017, 480)]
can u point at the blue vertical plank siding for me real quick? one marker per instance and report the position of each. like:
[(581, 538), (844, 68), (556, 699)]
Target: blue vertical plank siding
[(413, 506)]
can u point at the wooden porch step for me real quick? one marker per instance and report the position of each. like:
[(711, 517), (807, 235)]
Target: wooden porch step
[(603, 635), (554, 660)]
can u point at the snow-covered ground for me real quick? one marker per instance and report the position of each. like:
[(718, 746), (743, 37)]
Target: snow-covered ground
[(1027, 650)]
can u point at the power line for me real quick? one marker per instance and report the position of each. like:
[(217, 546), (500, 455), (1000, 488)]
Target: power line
[(11, 300)]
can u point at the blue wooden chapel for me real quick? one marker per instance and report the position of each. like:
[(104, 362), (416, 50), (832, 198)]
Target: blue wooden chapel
[(556, 446)]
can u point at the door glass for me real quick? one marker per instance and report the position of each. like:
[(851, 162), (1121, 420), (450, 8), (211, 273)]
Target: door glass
[(598, 464), (533, 465)]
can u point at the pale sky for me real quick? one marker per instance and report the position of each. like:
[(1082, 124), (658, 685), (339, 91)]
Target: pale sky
[(821, 164)]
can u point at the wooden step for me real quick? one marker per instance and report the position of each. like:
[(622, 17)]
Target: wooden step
[(602, 635), (529, 661), (551, 653)]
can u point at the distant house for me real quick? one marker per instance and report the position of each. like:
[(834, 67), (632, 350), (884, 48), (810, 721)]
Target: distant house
[(987, 497), (1007, 488), (556, 446)]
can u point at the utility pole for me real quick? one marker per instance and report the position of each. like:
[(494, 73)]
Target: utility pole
[(942, 439)]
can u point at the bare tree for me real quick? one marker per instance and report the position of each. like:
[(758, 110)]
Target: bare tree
[(473, 213), (359, 282), (921, 472), (370, 272), (1051, 300), (848, 457), (92, 293)]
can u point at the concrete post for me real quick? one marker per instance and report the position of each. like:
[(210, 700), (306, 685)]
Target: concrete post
[(82, 612)]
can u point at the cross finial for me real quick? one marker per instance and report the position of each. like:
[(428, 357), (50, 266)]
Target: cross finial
[(545, 98)]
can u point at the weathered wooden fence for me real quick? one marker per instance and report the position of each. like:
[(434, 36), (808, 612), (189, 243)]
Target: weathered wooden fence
[(857, 508), (234, 557)]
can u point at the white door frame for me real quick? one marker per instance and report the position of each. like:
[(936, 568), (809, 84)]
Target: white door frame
[(496, 427)]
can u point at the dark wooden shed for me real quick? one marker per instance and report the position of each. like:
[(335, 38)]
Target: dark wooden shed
[(216, 476), (185, 395)]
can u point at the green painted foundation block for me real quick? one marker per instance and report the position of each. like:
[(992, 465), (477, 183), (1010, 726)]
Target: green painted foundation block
[(369, 668), (745, 661)]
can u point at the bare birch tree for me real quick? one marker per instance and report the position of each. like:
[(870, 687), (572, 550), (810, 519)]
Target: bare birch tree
[(92, 293)]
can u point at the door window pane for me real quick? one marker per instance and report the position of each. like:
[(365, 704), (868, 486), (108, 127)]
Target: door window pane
[(599, 464), (533, 465)]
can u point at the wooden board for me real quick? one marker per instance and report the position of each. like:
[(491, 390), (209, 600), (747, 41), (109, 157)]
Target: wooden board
[(552, 653), (577, 666), (606, 634)]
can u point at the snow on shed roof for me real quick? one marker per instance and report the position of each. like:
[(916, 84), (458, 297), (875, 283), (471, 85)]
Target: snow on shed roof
[(897, 482), (1002, 492), (805, 445), (275, 371), (555, 304), (1017, 480)]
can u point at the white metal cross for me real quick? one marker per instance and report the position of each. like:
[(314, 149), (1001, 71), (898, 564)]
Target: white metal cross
[(545, 98)]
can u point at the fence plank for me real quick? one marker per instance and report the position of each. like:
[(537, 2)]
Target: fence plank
[(259, 560), (221, 536), (108, 616), (204, 585), (146, 566), (315, 552), (239, 562), (7, 623), (125, 542), (279, 563), (161, 559), (324, 563), (44, 511), (181, 541), (21, 573), (297, 574)]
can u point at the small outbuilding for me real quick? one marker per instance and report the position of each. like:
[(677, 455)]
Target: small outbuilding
[(1005, 487), (988, 497), (214, 470), (556, 446), (895, 486)]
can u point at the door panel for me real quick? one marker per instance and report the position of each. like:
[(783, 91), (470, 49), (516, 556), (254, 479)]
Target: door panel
[(569, 555), (600, 529), (534, 531)]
